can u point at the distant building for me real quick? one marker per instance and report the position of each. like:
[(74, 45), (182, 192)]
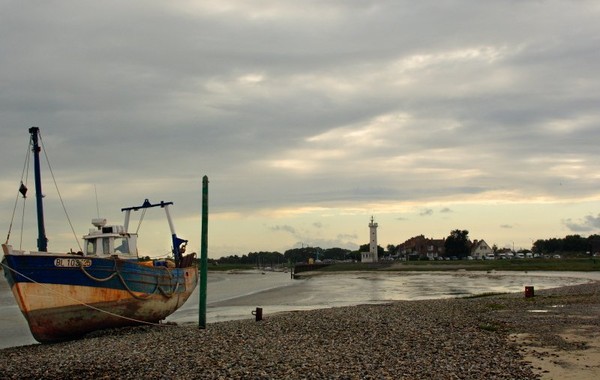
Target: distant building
[(418, 247), (371, 256), (480, 249)]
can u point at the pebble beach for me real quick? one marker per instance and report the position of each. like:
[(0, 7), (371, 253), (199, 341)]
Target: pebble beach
[(506, 336)]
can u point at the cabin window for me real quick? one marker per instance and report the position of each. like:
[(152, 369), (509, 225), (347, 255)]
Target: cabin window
[(121, 245), (106, 246), (91, 247)]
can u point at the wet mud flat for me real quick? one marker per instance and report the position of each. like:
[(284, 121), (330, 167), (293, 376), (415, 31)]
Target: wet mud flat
[(504, 336)]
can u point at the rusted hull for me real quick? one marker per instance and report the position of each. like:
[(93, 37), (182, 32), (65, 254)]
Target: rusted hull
[(49, 324), (56, 310)]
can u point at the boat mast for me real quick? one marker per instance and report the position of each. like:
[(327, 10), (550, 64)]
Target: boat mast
[(42, 241)]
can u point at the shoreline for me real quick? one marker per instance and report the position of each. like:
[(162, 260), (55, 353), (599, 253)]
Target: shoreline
[(588, 275), (554, 335)]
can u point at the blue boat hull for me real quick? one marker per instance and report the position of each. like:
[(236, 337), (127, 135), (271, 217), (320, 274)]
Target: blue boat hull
[(66, 296)]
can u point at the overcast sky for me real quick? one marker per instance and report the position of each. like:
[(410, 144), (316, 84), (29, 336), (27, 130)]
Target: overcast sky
[(308, 117)]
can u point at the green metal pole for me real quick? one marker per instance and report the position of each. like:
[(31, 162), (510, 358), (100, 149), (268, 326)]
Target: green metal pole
[(203, 254)]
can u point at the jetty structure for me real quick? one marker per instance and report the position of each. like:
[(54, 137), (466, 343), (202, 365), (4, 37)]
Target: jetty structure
[(371, 256)]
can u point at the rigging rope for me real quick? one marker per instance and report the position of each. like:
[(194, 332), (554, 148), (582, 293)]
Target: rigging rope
[(124, 283), (140, 221), (22, 225), (148, 295), (58, 191), (25, 170), (26, 174)]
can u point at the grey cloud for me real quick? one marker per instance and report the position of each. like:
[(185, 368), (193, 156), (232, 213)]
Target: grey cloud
[(587, 224), (284, 228), (347, 237), (346, 243), (420, 101)]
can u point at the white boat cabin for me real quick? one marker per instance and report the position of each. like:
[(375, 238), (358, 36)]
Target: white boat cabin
[(105, 241)]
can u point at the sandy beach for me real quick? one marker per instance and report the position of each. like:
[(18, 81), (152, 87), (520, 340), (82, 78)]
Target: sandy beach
[(554, 335)]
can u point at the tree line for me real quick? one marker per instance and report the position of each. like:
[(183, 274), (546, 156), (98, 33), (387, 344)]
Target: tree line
[(568, 244), (456, 244), (297, 255)]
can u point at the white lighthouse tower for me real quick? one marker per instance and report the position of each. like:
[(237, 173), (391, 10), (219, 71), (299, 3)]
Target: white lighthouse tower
[(371, 256)]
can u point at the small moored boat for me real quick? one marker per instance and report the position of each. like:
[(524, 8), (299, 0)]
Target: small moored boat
[(66, 295)]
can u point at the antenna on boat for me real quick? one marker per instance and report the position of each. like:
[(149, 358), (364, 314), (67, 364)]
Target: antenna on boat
[(97, 207)]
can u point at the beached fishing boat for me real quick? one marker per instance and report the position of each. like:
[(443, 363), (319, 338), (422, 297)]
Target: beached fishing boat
[(66, 295)]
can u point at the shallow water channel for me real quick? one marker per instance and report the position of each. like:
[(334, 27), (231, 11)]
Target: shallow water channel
[(234, 296)]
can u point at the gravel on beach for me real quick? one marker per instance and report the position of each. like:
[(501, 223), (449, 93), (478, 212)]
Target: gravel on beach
[(466, 338)]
